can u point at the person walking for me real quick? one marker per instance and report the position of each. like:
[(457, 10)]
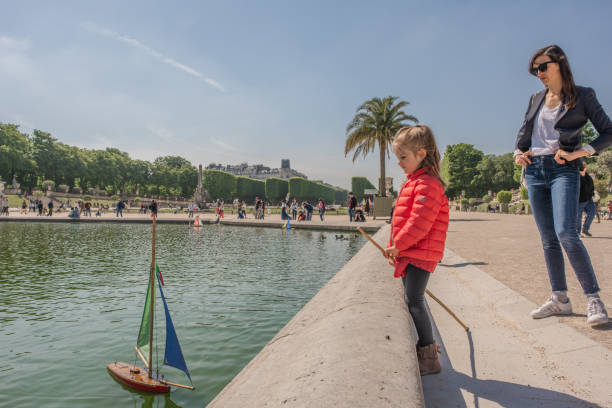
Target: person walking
[(153, 208), (50, 207), (352, 204), (119, 208), (294, 208), (418, 231), (24, 207), (39, 206), (585, 203), (190, 207), (548, 146), (321, 207), (284, 215), (596, 199)]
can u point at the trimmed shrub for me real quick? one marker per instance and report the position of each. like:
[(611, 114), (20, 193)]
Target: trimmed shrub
[(298, 188), (136, 200), (358, 184), (219, 184), (76, 190), (305, 190), (63, 188), (524, 193), (48, 184), (601, 186), (504, 197), (276, 189), (484, 207), (341, 196), (487, 198), (247, 188), (87, 198)]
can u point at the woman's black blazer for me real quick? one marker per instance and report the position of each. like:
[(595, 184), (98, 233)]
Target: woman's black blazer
[(570, 122)]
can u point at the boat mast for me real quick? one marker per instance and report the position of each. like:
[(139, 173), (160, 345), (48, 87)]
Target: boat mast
[(152, 289)]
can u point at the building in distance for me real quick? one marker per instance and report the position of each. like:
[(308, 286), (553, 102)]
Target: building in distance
[(258, 171)]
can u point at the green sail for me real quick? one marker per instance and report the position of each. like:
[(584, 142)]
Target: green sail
[(145, 325)]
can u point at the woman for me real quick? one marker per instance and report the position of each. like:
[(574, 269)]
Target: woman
[(549, 146)]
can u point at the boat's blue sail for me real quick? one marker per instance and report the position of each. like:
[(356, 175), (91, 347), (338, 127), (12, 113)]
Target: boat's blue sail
[(173, 356)]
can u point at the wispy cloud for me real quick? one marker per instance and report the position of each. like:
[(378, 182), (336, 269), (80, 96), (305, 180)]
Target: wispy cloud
[(223, 145), (13, 44), (160, 132), (94, 28)]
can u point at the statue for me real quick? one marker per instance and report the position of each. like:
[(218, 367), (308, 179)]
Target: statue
[(15, 183), (199, 196)]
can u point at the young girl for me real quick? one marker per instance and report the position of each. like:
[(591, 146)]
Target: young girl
[(418, 230)]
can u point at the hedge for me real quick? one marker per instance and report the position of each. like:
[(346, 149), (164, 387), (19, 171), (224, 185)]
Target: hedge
[(341, 196), (358, 184), (247, 188), (276, 189), (219, 184), (306, 190)]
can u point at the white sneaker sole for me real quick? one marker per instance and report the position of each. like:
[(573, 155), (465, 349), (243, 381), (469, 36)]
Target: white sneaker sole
[(536, 316), (598, 322)]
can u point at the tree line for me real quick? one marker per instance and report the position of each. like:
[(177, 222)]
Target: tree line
[(468, 169), (39, 158)]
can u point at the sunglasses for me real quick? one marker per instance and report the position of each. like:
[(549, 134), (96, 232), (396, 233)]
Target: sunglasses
[(542, 68)]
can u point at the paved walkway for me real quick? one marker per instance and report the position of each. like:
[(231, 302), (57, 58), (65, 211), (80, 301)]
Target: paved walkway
[(508, 359), (508, 248)]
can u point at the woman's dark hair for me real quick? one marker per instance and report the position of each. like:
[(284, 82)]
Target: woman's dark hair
[(557, 55)]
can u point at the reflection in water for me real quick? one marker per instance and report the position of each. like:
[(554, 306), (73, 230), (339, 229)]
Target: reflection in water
[(71, 298)]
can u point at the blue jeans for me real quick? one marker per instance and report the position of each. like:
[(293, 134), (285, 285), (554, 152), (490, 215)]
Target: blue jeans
[(591, 209), (553, 194), (351, 212)]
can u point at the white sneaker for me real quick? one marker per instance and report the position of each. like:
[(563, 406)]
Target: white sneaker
[(552, 307), (596, 312)]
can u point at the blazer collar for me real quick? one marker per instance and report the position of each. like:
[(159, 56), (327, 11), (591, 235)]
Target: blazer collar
[(538, 100)]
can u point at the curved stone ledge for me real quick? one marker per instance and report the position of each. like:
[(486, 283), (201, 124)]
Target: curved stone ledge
[(351, 346)]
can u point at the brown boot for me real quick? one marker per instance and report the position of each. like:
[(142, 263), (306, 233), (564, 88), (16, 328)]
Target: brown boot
[(428, 359)]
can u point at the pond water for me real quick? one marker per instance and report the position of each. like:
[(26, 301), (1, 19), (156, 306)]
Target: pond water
[(71, 299)]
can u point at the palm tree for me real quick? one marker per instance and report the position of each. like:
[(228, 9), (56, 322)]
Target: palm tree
[(376, 122)]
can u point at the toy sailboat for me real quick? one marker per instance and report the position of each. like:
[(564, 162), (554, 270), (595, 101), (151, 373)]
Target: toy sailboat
[(149, 378)]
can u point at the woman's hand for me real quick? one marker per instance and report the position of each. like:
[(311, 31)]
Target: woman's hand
[(523, 159), (562, 156)]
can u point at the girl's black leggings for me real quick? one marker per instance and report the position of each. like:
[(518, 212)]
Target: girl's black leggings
[(415, 283)]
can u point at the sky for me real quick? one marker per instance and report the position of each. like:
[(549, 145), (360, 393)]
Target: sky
[(244, 81)]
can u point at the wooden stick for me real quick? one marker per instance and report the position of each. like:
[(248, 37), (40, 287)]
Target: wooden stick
[(189, 387), (365, 234)]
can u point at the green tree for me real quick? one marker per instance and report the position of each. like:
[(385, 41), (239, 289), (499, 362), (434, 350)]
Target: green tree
[(15, 156), (462, 162), (375, 123)]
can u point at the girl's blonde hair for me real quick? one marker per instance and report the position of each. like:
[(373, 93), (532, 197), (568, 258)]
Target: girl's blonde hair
[(418, 137)]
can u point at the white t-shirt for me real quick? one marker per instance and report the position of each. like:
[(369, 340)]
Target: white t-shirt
[(545, 138)]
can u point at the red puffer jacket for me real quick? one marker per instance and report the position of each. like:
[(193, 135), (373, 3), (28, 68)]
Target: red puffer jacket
[(420, 222)]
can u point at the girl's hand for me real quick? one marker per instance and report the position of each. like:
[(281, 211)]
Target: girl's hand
[(392, 252), (523, 159)]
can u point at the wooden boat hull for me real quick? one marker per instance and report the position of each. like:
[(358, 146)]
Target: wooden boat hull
[(136, 377)]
